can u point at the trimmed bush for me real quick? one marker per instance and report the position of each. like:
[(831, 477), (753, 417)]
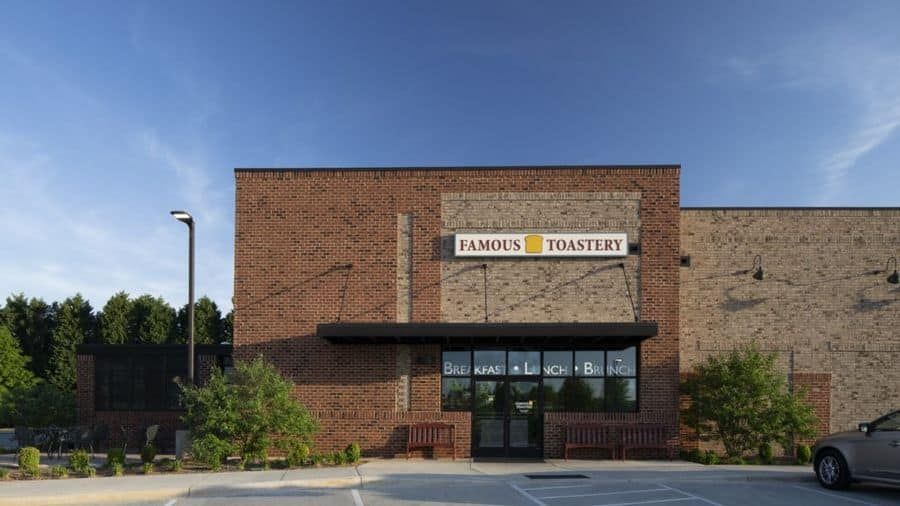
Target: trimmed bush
[(804, 454), (59, 472), (352, 453), (29, 459), (296, 455), (176, 466), (337, 458), (4, 473), (115, 456), (147, 468), (91, 472), (709, 458), (117, 469), (765, 453), (148, 453), (79, 461)]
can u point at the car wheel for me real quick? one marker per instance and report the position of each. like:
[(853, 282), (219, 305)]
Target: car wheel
[(832, 470)]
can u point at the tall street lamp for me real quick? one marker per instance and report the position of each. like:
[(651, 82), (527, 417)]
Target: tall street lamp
[(186, 218)]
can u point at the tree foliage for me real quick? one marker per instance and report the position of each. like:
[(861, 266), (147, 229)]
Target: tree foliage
[(31, 322), (741, 400), (14, 372), (208, 324), (114, 320), (228, 327), (245, 414), (75, 325), (152, 320)]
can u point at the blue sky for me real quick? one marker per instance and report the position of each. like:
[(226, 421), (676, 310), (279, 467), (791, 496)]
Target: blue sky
[(113, 113)]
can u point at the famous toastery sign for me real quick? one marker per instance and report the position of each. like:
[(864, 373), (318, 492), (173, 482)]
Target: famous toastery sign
[(541, 245)]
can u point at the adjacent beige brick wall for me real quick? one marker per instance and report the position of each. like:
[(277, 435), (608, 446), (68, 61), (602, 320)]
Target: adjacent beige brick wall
[(539, 289), (820, 307)]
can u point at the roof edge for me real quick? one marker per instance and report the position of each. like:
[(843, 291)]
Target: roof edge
[(458, 167)]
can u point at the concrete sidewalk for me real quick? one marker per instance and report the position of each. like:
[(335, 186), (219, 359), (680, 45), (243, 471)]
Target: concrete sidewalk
[(167, 486)]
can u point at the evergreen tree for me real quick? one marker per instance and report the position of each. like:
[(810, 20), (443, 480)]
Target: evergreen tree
[(208, 325), (228, 327), (113, 320), (152, 320), (74, 326), (14, 371), (31, 322)]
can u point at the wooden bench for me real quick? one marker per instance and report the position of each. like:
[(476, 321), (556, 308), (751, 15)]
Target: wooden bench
[(591, 436), (431, 435), (644, 436)]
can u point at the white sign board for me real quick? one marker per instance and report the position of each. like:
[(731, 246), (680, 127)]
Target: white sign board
[(541, 245)]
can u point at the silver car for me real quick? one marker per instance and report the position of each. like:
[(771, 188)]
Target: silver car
[(872, 453)]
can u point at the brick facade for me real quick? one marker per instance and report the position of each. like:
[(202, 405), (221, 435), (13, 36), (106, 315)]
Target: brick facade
[(297, 230), (824, 305)]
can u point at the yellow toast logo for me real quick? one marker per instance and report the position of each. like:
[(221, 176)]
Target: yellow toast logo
[(534, 244)]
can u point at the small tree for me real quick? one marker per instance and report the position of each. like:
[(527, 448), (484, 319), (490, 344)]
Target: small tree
[(740, 399), (245, 414)]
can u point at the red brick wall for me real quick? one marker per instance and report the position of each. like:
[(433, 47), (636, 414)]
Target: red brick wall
[(818, 395), (294, 229)]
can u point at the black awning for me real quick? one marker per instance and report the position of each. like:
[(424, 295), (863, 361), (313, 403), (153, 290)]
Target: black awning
[(534, 334)]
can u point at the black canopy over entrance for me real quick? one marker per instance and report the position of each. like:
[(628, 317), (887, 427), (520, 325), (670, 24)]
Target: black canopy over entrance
[(475, 334)]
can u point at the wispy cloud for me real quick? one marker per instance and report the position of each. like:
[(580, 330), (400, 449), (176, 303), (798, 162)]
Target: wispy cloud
[(863, 71)]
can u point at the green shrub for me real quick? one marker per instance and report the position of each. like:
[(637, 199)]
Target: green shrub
[(211, 451), (37, 404), (804, 454), (29, 459), (296, 455), (91, 472), (117, 469), (338, 458), (79, 461), (59, 472), (148, 453), (244, 414), (709, 458), (742, 400), (115, 456), (352, 453), (177, 466), (147, 468), (735, 461), (317, 459), (765, 453), (4, 473), (693, 455)]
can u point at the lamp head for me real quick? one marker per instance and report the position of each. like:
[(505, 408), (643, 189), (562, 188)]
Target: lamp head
[(183, 216), (895, 277), (757, 262)]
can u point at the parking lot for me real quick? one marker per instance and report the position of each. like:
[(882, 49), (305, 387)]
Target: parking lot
[(612, 488)]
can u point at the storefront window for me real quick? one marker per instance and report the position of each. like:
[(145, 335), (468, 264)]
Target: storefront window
[(490, 362), (557, 363), (621, 362), (457, 363), (527, 363), (589, 363), (456, 394), (574, 381)]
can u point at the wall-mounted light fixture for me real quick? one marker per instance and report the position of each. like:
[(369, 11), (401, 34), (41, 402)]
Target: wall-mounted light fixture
[(894, 278), (757, 268)]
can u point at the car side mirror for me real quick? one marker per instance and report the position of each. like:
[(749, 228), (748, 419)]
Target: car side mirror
[(864, 427)]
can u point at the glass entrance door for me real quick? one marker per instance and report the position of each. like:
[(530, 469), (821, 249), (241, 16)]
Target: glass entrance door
[(507, 419)]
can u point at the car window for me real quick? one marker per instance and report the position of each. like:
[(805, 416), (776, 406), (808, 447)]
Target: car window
[(889, 422)]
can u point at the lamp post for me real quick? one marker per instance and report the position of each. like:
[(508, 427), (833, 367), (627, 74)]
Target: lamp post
[(186, 218)]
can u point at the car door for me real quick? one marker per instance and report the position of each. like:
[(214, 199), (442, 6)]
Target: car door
[(881, 454)]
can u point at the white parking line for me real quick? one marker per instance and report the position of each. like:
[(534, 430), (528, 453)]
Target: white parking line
[(697, 497), (837, 496), (607, 493), (171, 503), (559, 486), (527, 495), (648, 502), (357, 500)]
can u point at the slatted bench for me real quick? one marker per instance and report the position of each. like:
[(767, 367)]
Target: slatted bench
[(591, 436), (431, 435), (644, 436)]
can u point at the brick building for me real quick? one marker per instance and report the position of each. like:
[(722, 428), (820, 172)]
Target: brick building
[(512, 301)]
